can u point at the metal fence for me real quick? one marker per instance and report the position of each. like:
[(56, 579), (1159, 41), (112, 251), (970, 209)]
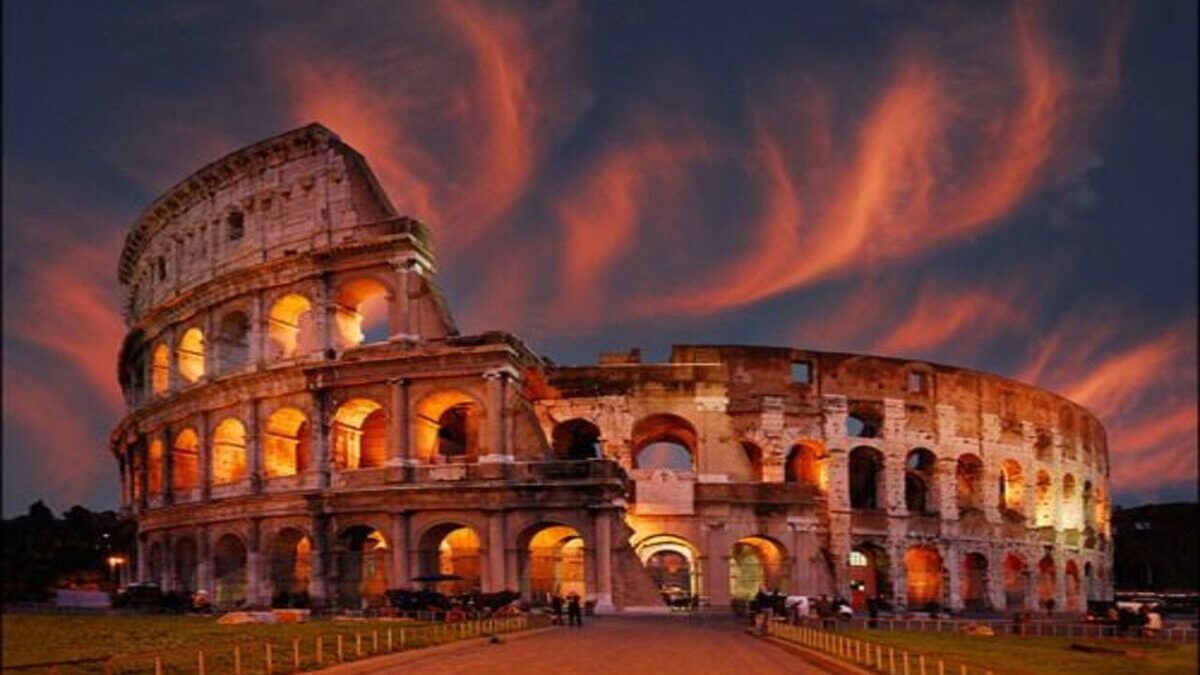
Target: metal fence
[(1043, 628), (870, 655)]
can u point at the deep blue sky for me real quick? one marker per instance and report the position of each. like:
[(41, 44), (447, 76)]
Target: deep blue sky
[(1005, 186)]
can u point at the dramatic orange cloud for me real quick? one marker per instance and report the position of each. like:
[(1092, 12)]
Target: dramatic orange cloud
[(942, 316)]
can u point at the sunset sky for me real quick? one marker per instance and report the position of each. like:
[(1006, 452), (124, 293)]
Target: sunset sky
[(1010, 187)]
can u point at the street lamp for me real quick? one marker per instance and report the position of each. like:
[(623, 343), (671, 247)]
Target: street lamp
[(115, 561)]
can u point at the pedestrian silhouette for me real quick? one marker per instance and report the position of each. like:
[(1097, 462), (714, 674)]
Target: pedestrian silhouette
[(574, 611)]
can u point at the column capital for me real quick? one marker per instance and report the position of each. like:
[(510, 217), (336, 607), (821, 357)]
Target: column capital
[(500, 371)]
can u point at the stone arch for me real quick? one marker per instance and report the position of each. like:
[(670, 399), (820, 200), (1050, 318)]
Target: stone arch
[(576, 439), (754, 457), (673, 564), (870, 574), (160, 369), (189, 356), (452, 548), (920, 497), (1089, 508), (155, 566), (360, 430), (974, 581), (1044, 495), (229, 451), (664, 441), (1072, 587), (866, 478), (448, 426), (1012, 487), (1015, 572), (154, 467), (923, 574), (362, 566), (1070, 505), (757, 563), (186, 556), (864, 421), (229, 571), (1045, 581), (968, 474), (1043, 446), (233, 341), (291, 327), (185, 460), (289, 565), (1089, 579), (362, 311), (803, 465), (551, 561), (286, 443)]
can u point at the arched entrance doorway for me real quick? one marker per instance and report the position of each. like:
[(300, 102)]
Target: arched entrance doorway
[(452, 549), (923, 571), (552, 563), (362, 567), (1045, 582), (229, 572), (185, 565), (1014, 581), (974, 579), (1072, 586), (672, 563), (870, 575), (757, 564), (290, 564)]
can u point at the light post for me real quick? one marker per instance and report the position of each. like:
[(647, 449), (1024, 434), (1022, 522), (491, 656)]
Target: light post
[(114, 562)]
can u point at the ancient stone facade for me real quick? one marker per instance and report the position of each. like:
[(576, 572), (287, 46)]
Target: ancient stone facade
[(304, 419)]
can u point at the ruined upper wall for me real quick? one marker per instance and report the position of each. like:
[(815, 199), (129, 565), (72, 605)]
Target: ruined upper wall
[(301, 191)]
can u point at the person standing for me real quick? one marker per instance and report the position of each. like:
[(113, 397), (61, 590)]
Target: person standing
[(557, 605), (574, 611)]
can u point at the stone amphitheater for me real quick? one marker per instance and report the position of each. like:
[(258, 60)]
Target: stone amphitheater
[(304, 420)]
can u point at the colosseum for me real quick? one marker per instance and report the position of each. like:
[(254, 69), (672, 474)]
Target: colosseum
[(304, 419)]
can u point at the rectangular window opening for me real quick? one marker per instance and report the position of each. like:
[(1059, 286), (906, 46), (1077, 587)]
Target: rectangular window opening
[(801, 372)]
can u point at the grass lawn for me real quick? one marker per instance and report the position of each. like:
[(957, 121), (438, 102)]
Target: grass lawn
[(39, 638), (1049, 655)]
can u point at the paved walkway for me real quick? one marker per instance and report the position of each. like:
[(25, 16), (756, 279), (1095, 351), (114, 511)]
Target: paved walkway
[(659, 645)]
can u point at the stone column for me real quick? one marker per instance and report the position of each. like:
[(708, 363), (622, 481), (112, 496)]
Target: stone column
[(204, 581), (144, 472), (952, 563), (320, 429), (497, 412), (512, 566), (210, 342), (990, 490), (1060, 582), (602, 525), (143, 558), (717, 551), (399, 440), (168, 468), (995, 580), (895, 551), (318, 586), (402, 317), (323, 310), (168, 564), (258, 332), (945, 477), (254, 565), (401, 575), (497, 576), (254, 446), (205, 450)]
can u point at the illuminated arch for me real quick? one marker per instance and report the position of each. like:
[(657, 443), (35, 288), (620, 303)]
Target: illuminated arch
[(360, 429), (923, 570), (286, 441), (448, 425), (756, 564), (233, 341), (160, 373), (866, 478), (551, 562), (190, 355), (362, 567), (154, 467), (1014, 581), (754, 457), (803, 466), (664, 441), (290, 328), (673, 564), (920, 497), (973, 578), (968, 475), (576, 439), (289, 562), (185, 460), (452, 548), (229, 451), (1012, 486), (362, 312)]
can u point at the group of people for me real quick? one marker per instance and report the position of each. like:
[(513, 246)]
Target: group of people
[(574, 606)]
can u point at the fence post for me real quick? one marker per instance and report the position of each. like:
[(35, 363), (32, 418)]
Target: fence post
[(904, 655), (921, 660), (401, 639), (158, 665), (296, 654), (318, 650), (200, 662), (892, 660), (268, 646), (339, 647), (237, 660), (375, 641), (357, 644), (941, 667)]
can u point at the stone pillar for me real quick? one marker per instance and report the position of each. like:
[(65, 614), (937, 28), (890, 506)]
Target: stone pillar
[(399, 440), (168, 564), (204, 581), (512, 566), (254, 445), (717, 551), (318, 588), (892, 498), (254, 565), (995, 580), (896, 551), (1029, 577), (945, 477), (258, 332), (323, 312), (602, 525), (168, 468), (1060, 585), (401, 575), (990, 490), (952, 563), (204, 444), (210, 342), (496, 576), (403, 318), (497, 413), (143, 477), (143, 558), (320, 429)]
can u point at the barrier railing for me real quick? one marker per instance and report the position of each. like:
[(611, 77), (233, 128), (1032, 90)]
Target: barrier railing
[(1039, 627), (285, 654), (871, 655)]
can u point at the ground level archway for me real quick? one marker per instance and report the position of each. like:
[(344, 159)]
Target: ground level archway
[(452, 549), (362, 564), (757, 564), (552, 562), (673, 565)]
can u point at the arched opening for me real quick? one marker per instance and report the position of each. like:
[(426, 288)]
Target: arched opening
[(359, 435), (1045, 500), (672, 563), (362, 567), (233, 341), (969, 477), (448, 427), (229, 451), (552, 563), (1012, 487), (1072, 587), (290, 565), (160, 370), (286, 442), (229, 571), (290, 329), (923, 571), (1070, 507), (1043, 446), (870, 575), (156, 569), (1014, 581), (754, 457), (361, 316), (186, 556), (974, 580), (866, 478), (919, 495), (664, 441), (1045, 582), (1089, 586), (452, 550), (185, 460), (576, 439), (863, 423), (757, 564), (154, 467), (1089, 509), (802, 466), (190, 355)]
